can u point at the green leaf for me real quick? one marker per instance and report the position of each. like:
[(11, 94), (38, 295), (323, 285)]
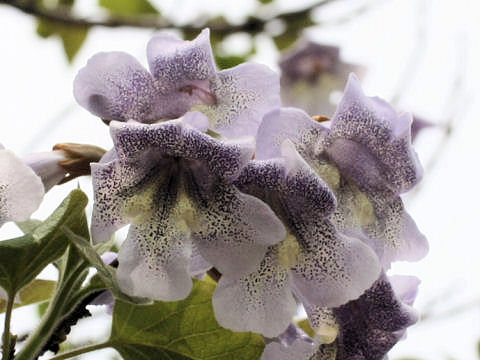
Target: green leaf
[(105, 273), (72, 35), (28, 225), (182, 330), (22, 259), (128, 7), (38, 290), (225, 62)]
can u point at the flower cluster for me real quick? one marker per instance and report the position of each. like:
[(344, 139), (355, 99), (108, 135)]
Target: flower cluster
[(210, 172)]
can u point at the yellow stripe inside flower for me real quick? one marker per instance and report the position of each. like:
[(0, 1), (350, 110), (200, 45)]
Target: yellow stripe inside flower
[(288, 251), (139, 208)]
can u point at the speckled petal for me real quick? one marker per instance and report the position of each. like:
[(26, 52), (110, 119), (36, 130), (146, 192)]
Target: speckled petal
[(154, 260), (244, 94), (332, 269), (176, 63), (260, 302), (232, 225), (327, 267), (176, 139), (21, 190), (370, 125), (380, 220), (115, 86), (304, 190), (371, 324), (121, 196)]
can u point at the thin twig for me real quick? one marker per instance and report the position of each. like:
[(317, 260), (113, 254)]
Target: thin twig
[(252, 25)]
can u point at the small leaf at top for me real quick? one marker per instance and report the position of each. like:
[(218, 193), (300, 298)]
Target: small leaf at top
[(128, 7), (73, 36)]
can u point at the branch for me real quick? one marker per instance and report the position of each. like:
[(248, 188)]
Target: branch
[(252, 25)]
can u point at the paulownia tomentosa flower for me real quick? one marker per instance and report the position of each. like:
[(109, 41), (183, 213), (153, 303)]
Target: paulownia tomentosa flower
[(173, 184), (326, 267), (363, 329), (182, 77), (367, 160)]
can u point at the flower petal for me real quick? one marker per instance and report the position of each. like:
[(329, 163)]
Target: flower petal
[(46, 165), (154, 260), (244, 94), (372, 324), (115, 86), (21, 190), (374, 127), (261, 302), (380, 220), (332, 269), (176, 63), (175, 139), (232, 225)]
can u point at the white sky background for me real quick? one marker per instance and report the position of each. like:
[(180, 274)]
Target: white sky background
[(37, 110)]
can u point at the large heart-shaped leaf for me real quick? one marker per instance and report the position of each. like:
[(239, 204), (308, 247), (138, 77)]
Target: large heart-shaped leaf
[(181, 330)]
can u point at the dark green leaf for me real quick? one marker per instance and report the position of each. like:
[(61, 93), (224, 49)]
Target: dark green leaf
[(182, 330), (128, 7), (22, 259)]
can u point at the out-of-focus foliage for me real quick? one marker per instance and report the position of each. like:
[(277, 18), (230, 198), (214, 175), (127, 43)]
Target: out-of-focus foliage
[(128, 7), (72, 35)]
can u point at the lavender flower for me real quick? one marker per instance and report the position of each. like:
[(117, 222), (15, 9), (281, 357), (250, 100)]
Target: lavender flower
[(182, 77), (367, 160), (363, 329), (327, 268), (372, 324), (311, 73), (173, 184), (21, 191)]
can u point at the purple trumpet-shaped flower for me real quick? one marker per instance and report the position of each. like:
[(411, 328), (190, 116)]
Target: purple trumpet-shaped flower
[(21, 190), (328, 268), (182, 77), (367, 160), (372, 324), (173, 184), (363, 329)]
